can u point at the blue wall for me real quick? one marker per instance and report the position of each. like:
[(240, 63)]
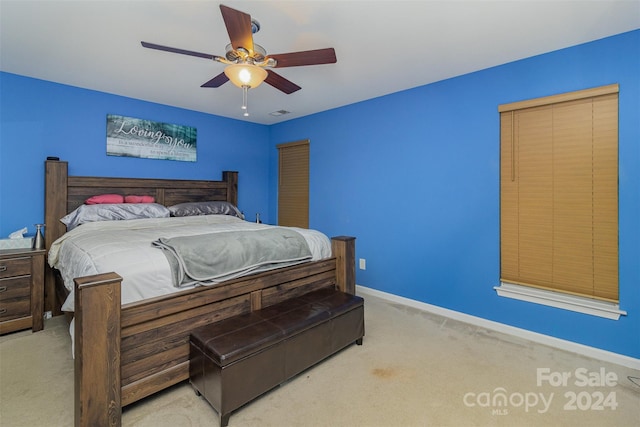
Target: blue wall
[(415, 177), (40, 119)]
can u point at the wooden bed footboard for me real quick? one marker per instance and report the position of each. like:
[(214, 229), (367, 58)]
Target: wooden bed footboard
[(123, 354)]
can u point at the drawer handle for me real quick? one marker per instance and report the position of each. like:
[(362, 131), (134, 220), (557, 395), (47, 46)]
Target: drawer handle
[(3, 288), (3, 310), (3, 268)]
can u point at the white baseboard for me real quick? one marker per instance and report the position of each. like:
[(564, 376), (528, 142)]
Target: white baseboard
[(596, 353)]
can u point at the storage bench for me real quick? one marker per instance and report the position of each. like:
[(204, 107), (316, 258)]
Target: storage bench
[(237, 359)]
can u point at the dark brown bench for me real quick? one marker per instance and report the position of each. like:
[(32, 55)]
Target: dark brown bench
[(235, 360)]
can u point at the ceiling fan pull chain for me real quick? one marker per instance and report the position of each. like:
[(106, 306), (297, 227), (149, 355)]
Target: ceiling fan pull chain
[(245, 99)]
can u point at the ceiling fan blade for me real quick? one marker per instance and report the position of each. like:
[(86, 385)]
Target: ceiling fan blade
[(217, 81), (280, 83), (239, 28), (307, 57), (176, 50)]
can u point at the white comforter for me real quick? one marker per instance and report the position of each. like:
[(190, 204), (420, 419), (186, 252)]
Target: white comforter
[(125, 247)]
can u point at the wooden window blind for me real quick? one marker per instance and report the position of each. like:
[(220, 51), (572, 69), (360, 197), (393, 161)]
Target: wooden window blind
[(293, 184), (559, 193)]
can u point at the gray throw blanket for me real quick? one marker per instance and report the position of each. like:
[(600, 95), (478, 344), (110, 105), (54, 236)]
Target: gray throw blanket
[(215, 257)]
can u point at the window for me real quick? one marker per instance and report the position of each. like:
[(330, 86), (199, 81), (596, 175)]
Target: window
[(559, 197)]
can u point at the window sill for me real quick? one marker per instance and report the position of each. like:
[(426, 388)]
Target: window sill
[(583, 305)]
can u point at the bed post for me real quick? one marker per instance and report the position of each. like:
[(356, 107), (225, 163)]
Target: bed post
[(55, 207), (231, 178), (344, 250), (97, 328)]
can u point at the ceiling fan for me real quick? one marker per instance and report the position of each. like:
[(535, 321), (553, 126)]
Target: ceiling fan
[(248, 64)]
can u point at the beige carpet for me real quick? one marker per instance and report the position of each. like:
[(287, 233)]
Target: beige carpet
[(414, 369)]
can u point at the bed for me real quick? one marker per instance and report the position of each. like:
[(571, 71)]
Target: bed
[(124, 352)]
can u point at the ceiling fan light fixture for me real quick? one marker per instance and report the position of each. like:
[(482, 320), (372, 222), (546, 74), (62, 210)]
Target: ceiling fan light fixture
[(245, 75)]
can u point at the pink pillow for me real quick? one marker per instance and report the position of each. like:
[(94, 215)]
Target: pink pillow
[(139, 199), (104, 198)]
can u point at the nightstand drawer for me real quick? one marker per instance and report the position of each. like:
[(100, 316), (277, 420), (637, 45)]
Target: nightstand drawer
[(12, 267), (15, 309), (15, 288), (15, 298)]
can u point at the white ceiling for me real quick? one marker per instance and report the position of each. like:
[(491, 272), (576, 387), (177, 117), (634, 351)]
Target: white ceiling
[(381, 46)]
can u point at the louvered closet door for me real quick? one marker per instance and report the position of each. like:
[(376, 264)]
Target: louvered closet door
[(293, 184)]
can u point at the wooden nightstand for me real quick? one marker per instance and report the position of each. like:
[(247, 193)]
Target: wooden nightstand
[(21, 289)]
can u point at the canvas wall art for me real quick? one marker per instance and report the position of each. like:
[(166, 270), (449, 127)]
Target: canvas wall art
[(131, 137)]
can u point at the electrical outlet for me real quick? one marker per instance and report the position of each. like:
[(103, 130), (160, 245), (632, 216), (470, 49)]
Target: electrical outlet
[(363, 264), (47, 315)]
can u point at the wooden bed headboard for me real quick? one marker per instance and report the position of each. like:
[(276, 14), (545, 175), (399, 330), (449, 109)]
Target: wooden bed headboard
[(64, 193)]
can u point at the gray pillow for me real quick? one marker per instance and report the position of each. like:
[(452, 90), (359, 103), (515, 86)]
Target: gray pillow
[(114, 211), (205, 208)]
